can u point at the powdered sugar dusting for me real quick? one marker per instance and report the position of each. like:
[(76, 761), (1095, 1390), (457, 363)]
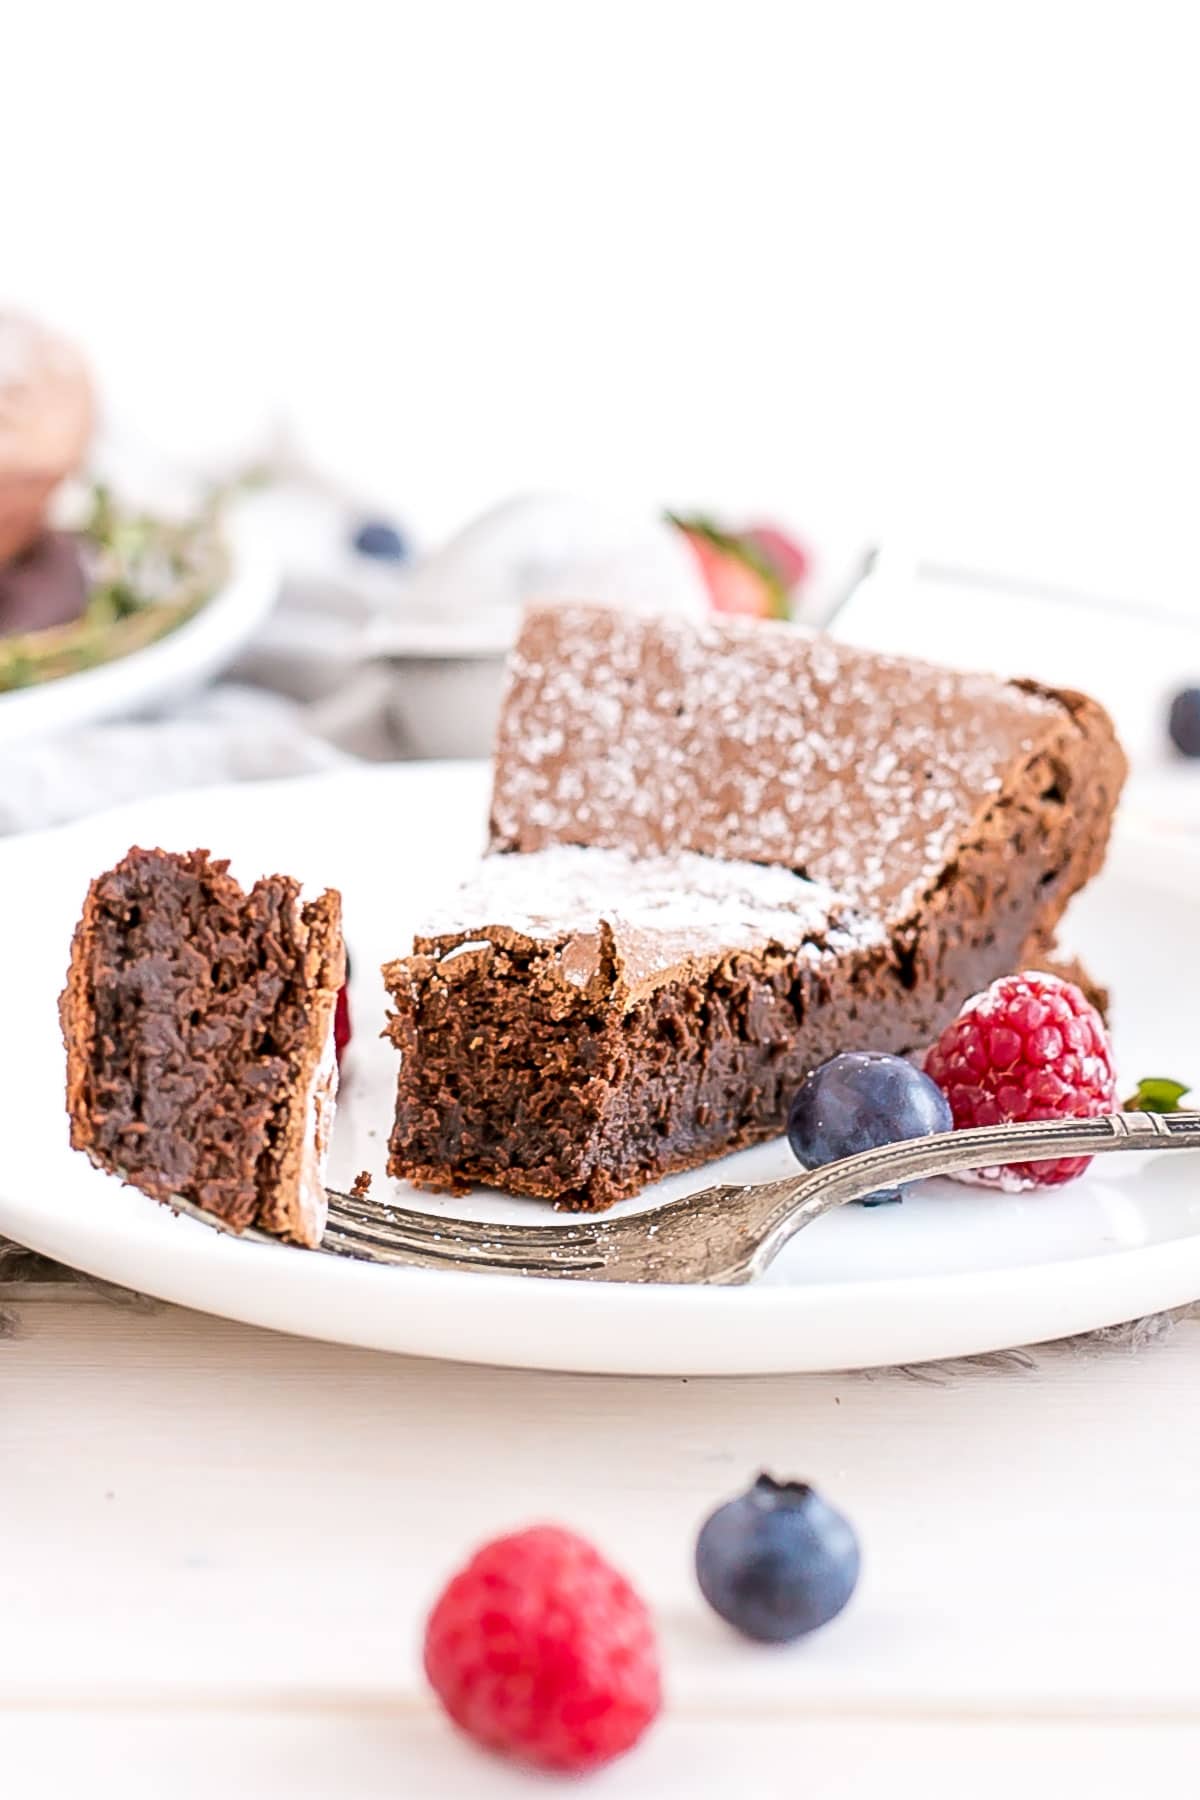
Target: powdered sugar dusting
[(660, 910), (751, 741)]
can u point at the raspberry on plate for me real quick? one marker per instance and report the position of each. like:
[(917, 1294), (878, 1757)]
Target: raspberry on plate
[(341, 1022), (342, 1032), (539, 1649), (1031, 1047)]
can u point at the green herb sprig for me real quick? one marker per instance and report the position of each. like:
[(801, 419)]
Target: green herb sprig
[(146, 576)]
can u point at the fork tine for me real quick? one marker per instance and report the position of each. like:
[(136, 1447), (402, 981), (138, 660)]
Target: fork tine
[(350, 1212), (383, 1243)]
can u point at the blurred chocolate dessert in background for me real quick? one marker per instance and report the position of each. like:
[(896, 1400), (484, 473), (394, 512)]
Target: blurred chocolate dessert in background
[(44, 586), (46, 414), (97, 575)]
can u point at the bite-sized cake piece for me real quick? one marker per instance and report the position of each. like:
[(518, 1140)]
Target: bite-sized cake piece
[(198, 1020), (738, 850)]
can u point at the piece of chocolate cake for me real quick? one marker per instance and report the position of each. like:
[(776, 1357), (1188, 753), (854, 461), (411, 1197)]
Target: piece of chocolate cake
[(652, 996), (198, 1021)]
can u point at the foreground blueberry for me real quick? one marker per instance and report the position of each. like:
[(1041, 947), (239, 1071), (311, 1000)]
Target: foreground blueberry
[(1183, 722), (777, 1562), (859, 1100), (375, 537)]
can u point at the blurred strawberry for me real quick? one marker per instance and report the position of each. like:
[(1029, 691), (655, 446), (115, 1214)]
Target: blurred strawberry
[(791, 561), (740, 578)]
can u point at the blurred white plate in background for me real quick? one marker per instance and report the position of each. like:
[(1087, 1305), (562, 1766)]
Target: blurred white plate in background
[(1132, 658)]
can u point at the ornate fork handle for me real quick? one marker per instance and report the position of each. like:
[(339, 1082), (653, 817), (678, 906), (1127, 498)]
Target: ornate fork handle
[(798, 1200)]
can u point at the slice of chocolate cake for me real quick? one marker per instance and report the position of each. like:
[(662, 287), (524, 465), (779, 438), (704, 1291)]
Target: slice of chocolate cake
[(198, 1021), (591, 1037)]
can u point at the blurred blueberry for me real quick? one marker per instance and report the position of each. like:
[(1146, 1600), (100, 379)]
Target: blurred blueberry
[(777, 1562), (375, 537), (1184, 721)]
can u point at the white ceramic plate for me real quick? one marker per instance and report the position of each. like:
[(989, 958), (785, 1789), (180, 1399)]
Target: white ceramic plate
[(952, 1271), (173, 665)]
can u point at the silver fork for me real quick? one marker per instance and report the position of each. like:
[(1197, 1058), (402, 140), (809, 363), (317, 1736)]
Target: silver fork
[(724, 1235)]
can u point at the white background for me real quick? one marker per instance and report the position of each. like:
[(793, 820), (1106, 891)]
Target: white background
[(917, 270)]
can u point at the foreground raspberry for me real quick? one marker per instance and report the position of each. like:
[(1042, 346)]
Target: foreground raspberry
[(541, 1650), (1031, 1047)]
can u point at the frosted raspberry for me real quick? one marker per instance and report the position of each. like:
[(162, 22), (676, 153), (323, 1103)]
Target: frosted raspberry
[(1031, 1047)]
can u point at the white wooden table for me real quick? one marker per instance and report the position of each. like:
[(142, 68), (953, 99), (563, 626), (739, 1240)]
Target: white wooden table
[(217, 1547)]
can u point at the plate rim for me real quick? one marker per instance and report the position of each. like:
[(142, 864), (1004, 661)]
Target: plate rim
[(950, 1311)]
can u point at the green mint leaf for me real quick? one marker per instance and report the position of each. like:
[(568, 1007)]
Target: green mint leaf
[(1158, 1094)]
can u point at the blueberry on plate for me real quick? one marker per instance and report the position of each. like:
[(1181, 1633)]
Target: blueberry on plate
[(375, 537), (1183, 721), (777, 1562), (858, 1101)]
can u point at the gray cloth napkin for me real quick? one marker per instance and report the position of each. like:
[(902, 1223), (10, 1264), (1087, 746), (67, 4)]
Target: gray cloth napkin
[(228, 733)]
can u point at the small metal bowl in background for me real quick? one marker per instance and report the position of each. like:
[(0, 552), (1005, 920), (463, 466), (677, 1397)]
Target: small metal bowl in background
[(445, 706), (445, 680)]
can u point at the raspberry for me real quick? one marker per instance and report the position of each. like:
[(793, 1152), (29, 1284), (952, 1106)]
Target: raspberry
[(1031, 1047), (341, 1016), (539, 1649), (341, 1023)]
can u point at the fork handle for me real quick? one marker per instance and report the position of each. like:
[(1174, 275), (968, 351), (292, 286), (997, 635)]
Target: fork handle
[(801, 1199)]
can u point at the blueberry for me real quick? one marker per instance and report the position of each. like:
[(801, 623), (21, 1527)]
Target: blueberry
[(777, 1562), (859, 1100), (1183, 722), (375, 537)]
